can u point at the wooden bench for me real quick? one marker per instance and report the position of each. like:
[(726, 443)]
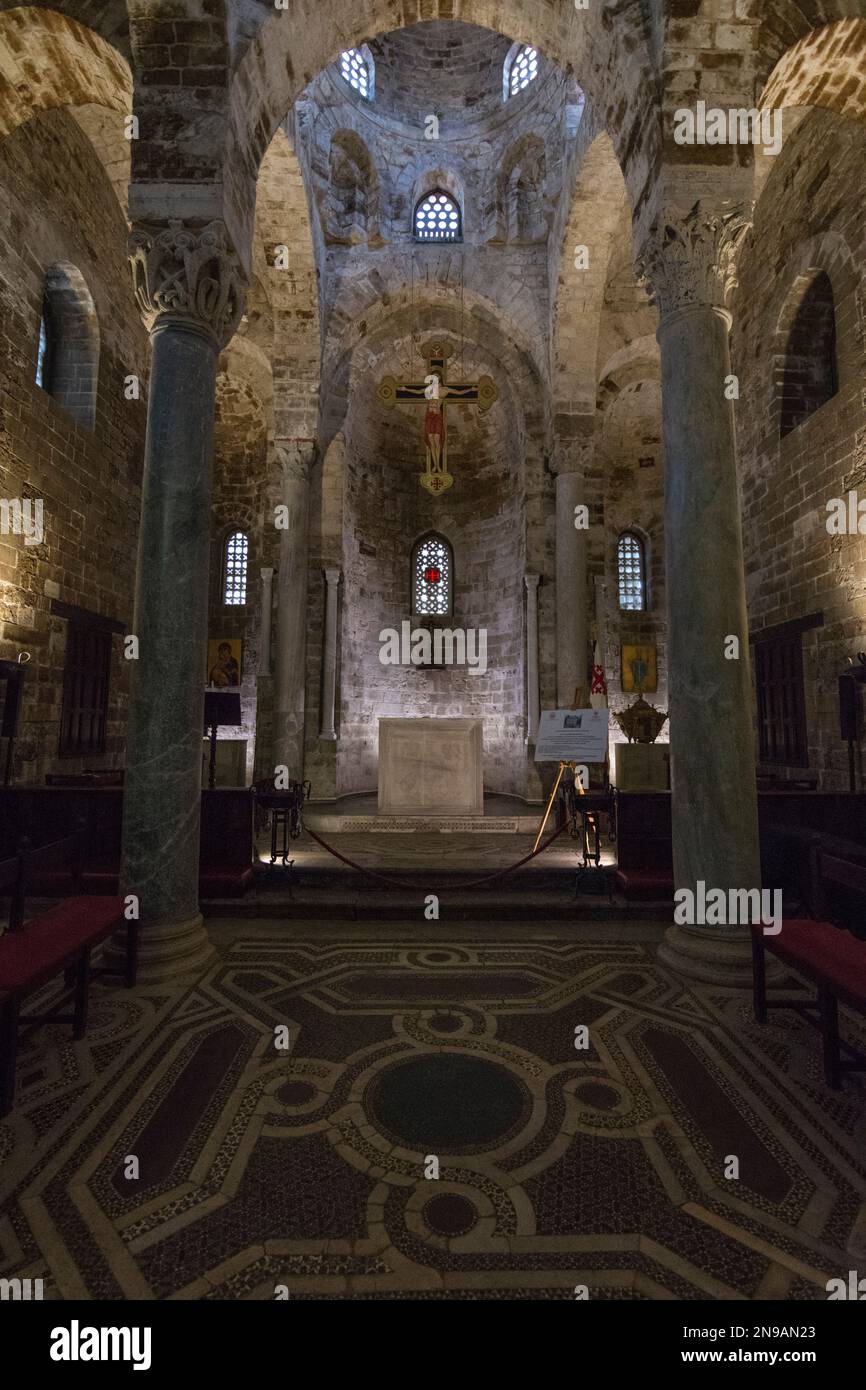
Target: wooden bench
[(833, 959), (58, 942)]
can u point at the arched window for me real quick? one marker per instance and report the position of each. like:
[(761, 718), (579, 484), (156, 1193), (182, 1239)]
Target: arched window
[(521, 68), (631, 568), (811, 375), (43, 352), (437, 218), (67, 355), (432, 577), (356, 68), (236, 553)]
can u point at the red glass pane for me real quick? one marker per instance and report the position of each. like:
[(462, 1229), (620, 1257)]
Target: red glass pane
[(432, 574)]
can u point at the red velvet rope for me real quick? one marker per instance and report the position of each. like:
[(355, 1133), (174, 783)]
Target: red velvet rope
[(400, 883)]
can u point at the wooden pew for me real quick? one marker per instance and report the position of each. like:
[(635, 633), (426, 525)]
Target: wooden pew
[(58, 942), (831, 958)]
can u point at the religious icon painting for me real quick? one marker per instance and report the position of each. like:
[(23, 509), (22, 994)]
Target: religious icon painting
[(639, 668), (224, 662)]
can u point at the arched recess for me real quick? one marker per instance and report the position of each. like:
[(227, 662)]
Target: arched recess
[(810, 374), (350, 212), (522, 214), (69, 350), (611, 61), (49, 60), (815, 318)]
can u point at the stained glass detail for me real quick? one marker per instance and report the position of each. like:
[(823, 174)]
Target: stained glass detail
[(432, 578), (355, 69), (437, 218), (632, 581), (235, 571), (524, 69)]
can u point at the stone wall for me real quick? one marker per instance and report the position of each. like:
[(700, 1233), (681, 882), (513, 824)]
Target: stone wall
[(57, 208), (806, 223)]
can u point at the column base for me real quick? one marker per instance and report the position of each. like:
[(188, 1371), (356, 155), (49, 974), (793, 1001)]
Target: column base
[(713, 955), (166, 950)]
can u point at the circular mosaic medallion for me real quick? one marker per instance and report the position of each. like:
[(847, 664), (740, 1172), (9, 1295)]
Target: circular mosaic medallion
[(295, 1093), (445, 1102), (600, 1097), (450, 1215)]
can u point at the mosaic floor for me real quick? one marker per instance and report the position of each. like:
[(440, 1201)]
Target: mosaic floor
[(607, 1166)]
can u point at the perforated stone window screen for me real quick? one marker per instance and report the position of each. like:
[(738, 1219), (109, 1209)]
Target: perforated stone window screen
[(437, 218), (432, 574), (632, 577), (524, 69), (356, 71), (237, 549)]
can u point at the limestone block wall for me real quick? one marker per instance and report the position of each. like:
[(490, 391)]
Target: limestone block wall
[(806, 222), (57, 207)]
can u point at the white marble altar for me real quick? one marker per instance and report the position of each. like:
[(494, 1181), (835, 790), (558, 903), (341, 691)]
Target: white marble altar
[(431, 767)]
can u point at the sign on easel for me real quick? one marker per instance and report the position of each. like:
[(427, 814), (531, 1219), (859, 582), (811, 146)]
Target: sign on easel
[(572, 735)]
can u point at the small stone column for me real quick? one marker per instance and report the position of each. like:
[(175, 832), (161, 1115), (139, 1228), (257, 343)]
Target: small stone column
[(296, 458), (329, 657), (571, 617), (267, 607), (190, 292), (532, 695), (713, 796)]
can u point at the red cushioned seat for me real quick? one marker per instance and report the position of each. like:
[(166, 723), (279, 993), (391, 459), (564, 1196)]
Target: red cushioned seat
[(828, 954), (49, 943)]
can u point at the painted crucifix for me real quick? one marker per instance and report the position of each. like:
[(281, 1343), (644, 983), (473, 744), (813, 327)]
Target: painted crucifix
[(436, 393)]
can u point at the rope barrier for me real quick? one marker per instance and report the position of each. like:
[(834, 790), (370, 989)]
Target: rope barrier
[(412, 887)]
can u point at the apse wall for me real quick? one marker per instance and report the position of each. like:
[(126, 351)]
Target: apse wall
[(385, 511)]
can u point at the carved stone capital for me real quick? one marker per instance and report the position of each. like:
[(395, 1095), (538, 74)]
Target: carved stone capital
[(690, 257), (296, 458), (188, 275)]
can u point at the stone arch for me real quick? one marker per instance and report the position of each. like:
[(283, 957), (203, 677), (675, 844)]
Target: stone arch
[(598, 205), (522, 214), (825, 67), (49, 60), (70, 362), (351, 208)]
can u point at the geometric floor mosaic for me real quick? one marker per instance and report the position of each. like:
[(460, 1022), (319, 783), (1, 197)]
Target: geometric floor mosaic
[(315, 1169)]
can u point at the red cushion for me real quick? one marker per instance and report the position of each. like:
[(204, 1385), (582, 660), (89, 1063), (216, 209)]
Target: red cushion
[(825, 953), (47, 944)]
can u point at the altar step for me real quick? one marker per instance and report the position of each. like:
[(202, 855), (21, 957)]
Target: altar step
[(528, 895), (330, 824)]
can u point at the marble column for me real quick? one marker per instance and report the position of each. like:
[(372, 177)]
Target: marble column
[(267, 609), (296, 458), (713, 794), (190, 291), (532, 696), (571, 615), (329, 657)]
